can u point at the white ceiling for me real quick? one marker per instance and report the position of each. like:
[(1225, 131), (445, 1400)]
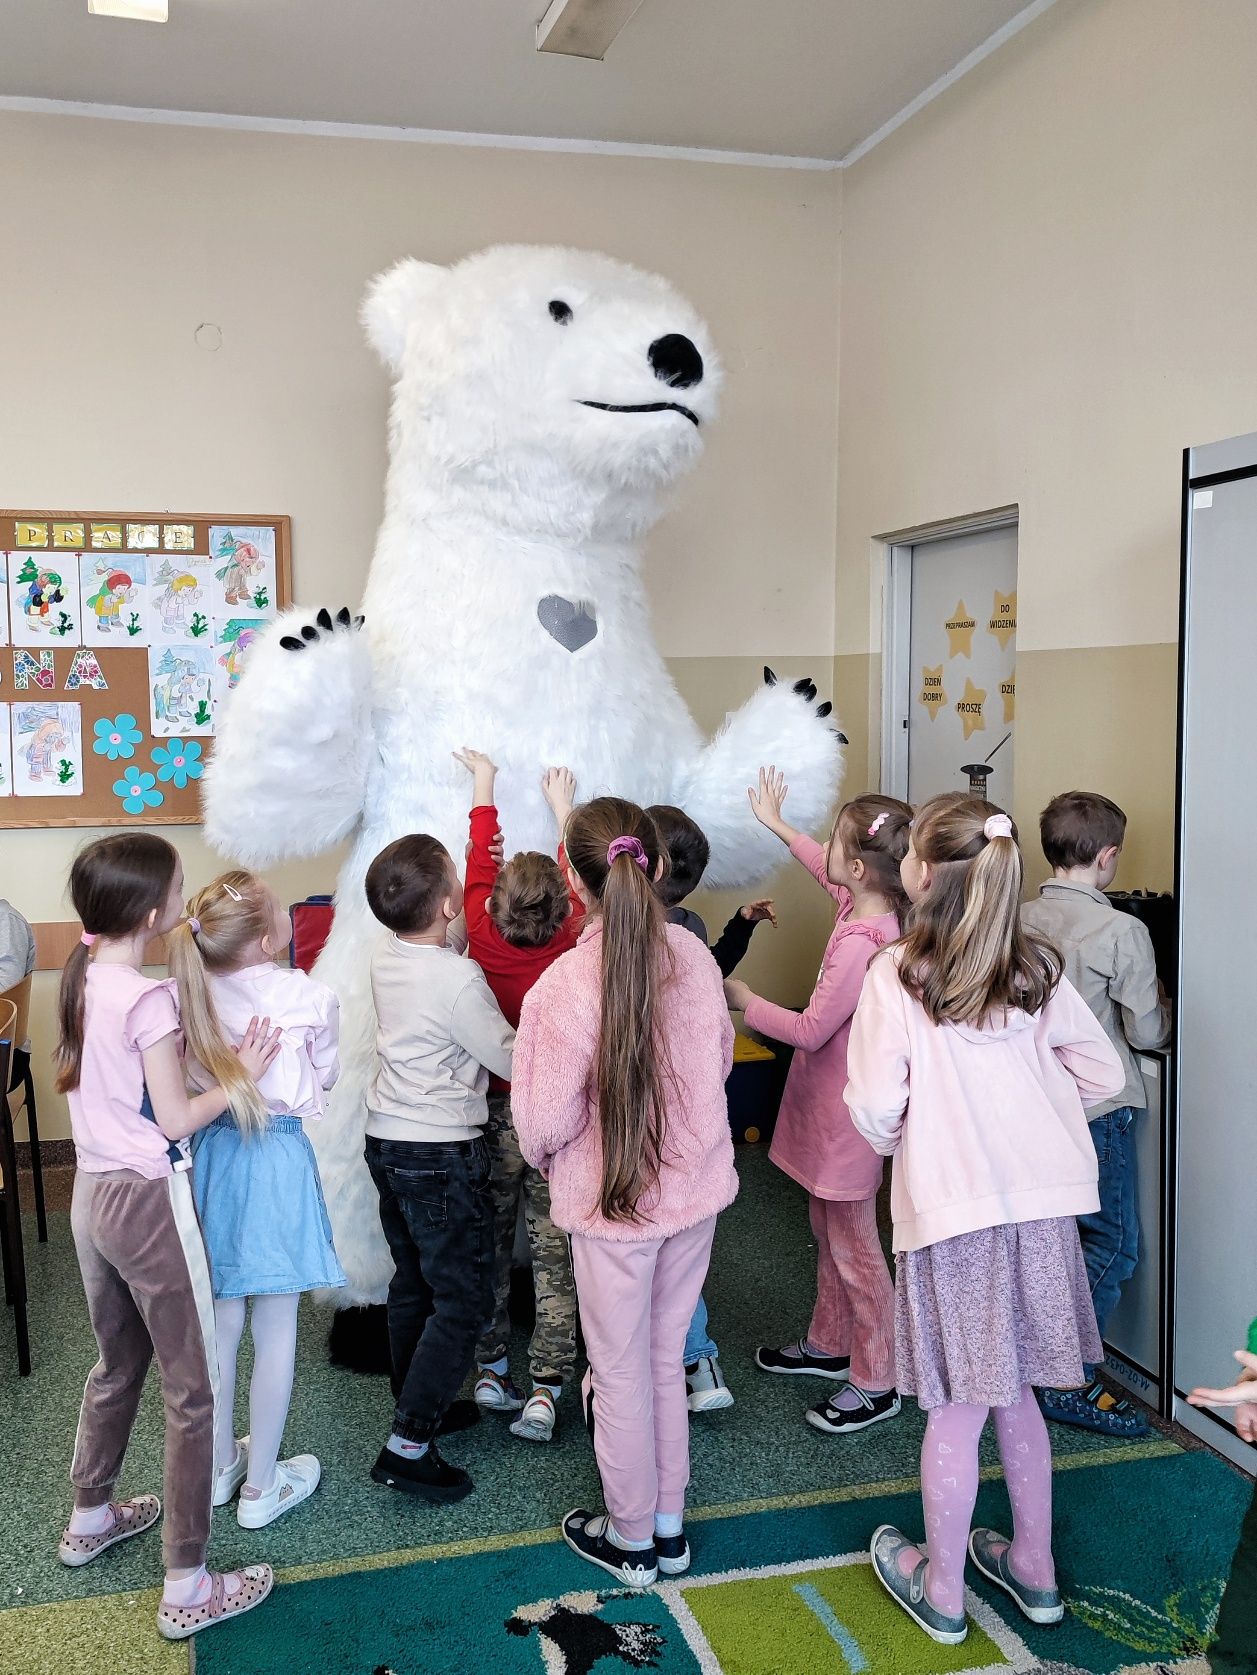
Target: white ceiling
[(806, 78)]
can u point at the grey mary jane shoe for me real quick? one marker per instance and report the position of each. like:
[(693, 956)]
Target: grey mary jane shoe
[(909, 1591), (1040, 1605)]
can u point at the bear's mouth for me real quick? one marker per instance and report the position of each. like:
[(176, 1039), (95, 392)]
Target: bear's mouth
[(645, 407)]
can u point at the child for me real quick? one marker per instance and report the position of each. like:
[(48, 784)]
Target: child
[(688, 852), (851, 1335), (1232, 1651), (134, 1223), (970, 1061), (1109, 960), (255, 1180), (438, 1028), (520, 918), (618, 1094)]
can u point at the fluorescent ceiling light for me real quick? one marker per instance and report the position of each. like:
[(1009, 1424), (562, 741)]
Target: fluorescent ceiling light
[(147, 11), (583, 28)]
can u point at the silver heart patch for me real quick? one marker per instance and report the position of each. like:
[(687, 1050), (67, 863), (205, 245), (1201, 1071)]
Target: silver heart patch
[(572, 625)]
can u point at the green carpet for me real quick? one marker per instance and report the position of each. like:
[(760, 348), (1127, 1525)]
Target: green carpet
[(759, 1454)]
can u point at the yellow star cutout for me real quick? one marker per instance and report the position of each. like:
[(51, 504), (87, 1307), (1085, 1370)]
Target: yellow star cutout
[(1003, 623), (1008, 692), (931, 693), (969, 708), (960, 631)]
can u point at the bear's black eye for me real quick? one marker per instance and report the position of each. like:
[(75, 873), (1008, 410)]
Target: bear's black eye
[(560, 313)]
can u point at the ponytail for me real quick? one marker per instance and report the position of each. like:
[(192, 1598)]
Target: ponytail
[(71, 1004), (615, 850)]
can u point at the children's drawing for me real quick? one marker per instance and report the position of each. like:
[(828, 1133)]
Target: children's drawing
[(180, 680), (235, 638), (34, 668), (178, 607), (44, 599), (115, 600), (6, 754), (47, 750), (86, 671), (244, 568)]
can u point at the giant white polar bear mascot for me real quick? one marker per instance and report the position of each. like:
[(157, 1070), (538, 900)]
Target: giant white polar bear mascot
[(543, 399)]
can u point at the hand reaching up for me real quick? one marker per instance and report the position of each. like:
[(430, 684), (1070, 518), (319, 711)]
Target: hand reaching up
[(756, 911), (483, 772), (558, 787), (767, 800)]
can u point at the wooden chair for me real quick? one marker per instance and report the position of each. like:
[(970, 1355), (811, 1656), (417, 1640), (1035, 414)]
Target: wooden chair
[(21, 1085), (12, 1255)]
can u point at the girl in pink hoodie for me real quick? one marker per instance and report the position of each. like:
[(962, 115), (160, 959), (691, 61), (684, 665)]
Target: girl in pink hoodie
[(970, 1060), (851, 1337), (618, 1097)]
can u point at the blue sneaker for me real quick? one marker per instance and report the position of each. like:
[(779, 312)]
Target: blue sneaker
[(1095, 1409), (989, 1551), (909, 1591)]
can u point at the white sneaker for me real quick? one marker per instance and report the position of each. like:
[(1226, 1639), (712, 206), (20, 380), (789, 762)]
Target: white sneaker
[(295, 1481), (229, 1479), (706, 1390), (536, 1423), (496, 1394)]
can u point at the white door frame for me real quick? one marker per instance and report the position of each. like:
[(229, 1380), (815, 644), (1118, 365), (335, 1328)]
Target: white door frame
[(897, 631)]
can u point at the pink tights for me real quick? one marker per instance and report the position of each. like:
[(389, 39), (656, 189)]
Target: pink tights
[(949, 1488)]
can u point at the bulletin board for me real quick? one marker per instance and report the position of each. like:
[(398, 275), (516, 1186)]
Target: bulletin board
[(122, 635)]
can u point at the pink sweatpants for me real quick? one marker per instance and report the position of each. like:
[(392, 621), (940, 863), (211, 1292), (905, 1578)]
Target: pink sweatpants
[(636, 1299), (855, 1296)]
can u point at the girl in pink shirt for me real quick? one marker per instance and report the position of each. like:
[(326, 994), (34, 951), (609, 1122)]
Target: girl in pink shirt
[(255, 1178), (851, 1335), (617, 1092), (139, 1247), (970, 1062)]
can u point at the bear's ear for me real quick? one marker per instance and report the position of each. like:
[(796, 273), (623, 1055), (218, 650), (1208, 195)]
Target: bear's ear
[(392, 300)]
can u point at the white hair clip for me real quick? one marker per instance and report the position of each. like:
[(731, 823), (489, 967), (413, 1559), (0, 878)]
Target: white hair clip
[(997, 826), (881, 820), (234, 894)]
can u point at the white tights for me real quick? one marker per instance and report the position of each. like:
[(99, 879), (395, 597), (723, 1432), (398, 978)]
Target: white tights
[(274, 1329)]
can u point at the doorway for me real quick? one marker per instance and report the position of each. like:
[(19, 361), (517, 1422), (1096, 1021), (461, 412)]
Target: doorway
[(949, 702)]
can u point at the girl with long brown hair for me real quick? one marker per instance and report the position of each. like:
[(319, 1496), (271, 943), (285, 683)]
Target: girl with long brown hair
[(135, 1227), (618, 1095), (256, 1182), (850, 1339), (970, 1060)]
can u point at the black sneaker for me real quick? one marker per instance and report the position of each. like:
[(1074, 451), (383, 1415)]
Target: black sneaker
[(458, 1416), (798, 1358), (673, 1553), (842, 1421), (428, 1476), (586, 1534)]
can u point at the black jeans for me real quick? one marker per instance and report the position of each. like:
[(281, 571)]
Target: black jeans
[(436, 1209)]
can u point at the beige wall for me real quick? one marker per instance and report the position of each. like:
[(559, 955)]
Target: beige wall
[(1047, 292), (123, 238)]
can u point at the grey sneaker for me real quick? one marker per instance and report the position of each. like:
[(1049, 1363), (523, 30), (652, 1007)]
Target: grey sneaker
[(909, 1591), (536, 1423), (989, 1551), (705, 1387)]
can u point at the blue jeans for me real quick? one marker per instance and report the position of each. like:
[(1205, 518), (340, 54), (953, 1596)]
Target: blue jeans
[(697, 1342), (1110, 1238)]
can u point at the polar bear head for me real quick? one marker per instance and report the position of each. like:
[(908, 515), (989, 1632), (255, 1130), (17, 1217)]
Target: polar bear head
[(551, 390)]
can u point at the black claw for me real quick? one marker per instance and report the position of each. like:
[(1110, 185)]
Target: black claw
[(769, 678), (324, 619), (342, 616), (358, 622), (308, 633), (841, 737), (805, 688), (290, 642), (824, 709)]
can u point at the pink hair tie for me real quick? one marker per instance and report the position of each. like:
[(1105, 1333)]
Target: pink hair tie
[(881, 820), (87, 938), (194, 925), (997, 826), (628, 846)]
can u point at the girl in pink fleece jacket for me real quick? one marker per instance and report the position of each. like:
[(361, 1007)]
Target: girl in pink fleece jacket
[(970, 1060), (618, 1096), (851, 1337)]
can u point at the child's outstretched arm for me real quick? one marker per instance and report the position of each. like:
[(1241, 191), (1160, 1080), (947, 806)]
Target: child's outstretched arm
[(833, 1001), (558, 787), (766, 804), (730, 947), (177, 1115), (482, 850)]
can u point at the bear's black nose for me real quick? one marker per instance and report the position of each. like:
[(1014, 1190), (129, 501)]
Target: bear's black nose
[(676, 361)]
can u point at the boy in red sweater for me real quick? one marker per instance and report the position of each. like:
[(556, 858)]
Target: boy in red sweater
[(520, 917)]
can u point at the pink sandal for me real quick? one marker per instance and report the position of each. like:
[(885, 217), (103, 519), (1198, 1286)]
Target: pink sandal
[(178, 1622), (130, 1518)]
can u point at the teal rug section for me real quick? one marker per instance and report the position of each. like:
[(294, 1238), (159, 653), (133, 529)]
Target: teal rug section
[(1143, 1549)]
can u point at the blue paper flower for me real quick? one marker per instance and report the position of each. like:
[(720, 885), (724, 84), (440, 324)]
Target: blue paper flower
[(115, 738), (138, 791), (179, 760)]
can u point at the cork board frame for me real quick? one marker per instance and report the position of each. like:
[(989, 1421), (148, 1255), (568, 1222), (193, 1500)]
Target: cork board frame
[(68, 535)]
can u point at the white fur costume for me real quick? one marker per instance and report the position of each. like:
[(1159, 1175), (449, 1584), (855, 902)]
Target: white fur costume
[(511, 503)]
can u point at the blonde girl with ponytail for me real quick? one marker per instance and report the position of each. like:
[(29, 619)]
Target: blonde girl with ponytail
[(971, 1060), (617, 1091), (255, 1178)]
